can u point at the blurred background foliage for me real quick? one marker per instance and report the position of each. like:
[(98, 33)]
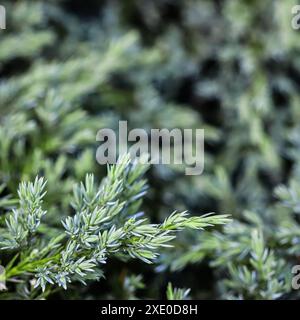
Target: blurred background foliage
[(69, 68)]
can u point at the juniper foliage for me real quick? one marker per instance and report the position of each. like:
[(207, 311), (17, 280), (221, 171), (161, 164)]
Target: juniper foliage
[(230, 67), (105, 224)]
